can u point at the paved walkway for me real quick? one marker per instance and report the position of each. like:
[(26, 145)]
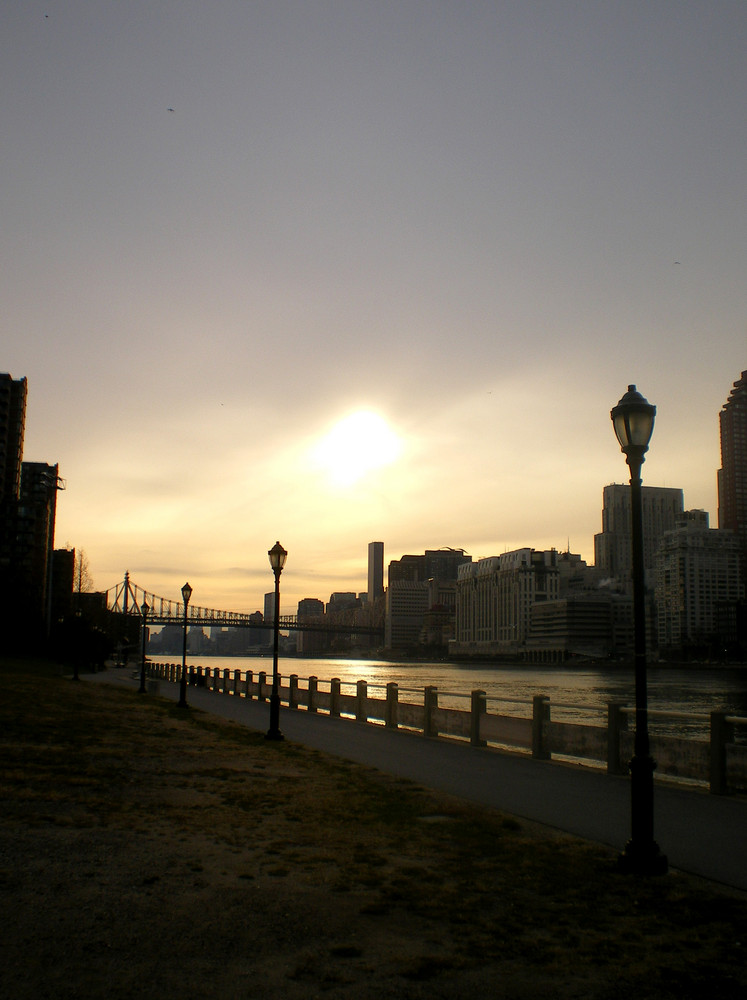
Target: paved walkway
[(700, 833)]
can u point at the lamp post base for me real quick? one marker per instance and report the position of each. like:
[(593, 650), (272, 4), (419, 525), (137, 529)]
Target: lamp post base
[(273, 733), (642, 859)]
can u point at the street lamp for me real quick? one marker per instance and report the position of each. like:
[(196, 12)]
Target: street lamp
[(277, 555), (633, 420), (186, 594), (144, 609)]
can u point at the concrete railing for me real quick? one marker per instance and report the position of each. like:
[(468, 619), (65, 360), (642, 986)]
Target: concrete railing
[(719, 761)]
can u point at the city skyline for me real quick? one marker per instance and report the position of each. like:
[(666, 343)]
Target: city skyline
[(381, 274)]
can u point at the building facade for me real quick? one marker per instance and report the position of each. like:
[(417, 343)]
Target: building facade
[(420, 598), (698, 572), (732, 476), (494, 600), (12, 428), (406, 606), (662, 508)]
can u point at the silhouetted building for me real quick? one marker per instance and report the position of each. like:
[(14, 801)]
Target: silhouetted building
[(662, 508), (418, 585), (12, 426), (375, 571), (311, 609), (406, 606), (63, 572), (732, 476), (590, 624), (434, 564), (697, 576), (28, 507)]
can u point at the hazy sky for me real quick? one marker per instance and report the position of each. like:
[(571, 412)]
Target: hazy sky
[(467, 224)]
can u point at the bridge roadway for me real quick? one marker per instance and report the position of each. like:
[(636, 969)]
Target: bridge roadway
[(700, 833), (288, 623)]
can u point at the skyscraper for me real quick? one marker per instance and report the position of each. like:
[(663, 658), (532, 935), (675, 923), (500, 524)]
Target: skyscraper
[(662, 508), (28, 506), (732, 476), (12, 425), (375, 571)]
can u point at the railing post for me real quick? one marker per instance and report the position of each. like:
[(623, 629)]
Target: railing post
[(540, 726), (334, 696), (293, 691), (721, 734), (237, 682), (361, 698), (478, 708), (617, 723), (430, 704), (313, 687), (249, 682), (392, 698), (261, 681), (226, 681)]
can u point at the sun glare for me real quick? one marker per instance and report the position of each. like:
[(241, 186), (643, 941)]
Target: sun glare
[(356, 445)]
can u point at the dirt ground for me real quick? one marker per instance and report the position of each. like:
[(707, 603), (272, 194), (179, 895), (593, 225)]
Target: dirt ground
[(152, 852)]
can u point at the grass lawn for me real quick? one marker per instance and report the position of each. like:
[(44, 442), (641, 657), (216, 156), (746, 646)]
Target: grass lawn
[(151, 851)]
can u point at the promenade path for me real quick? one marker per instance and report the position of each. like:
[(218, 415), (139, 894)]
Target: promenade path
[(700, 833)]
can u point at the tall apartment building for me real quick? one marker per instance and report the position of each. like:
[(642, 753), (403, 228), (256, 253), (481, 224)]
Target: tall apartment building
[(697, 573), (12, 427), (662, 508), (732, 476), (28, 507), (34, 545)]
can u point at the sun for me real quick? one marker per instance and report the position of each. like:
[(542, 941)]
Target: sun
[(355, 446)]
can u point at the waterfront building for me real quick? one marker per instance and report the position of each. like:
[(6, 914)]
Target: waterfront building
[(662, 508), (698, 574), (732, 476), (494, 599), (595, 624)]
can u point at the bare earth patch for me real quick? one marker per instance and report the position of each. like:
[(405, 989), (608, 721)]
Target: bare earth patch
[(152, 852)]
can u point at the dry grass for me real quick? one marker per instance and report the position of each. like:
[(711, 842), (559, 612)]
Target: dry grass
[(151, 851)]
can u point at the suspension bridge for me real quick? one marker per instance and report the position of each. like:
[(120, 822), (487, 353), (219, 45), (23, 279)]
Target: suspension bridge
[(128, 598)]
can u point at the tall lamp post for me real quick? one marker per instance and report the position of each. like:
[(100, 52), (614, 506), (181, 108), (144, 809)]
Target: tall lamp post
[(186, 594), (277, 555), (144, 609), (633, 420)]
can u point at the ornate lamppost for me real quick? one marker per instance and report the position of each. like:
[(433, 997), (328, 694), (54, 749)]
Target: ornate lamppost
[(277, 555), (144, 609), (186, 594), (633, 420)]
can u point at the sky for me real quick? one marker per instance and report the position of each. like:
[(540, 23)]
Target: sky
[(335, 271)]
